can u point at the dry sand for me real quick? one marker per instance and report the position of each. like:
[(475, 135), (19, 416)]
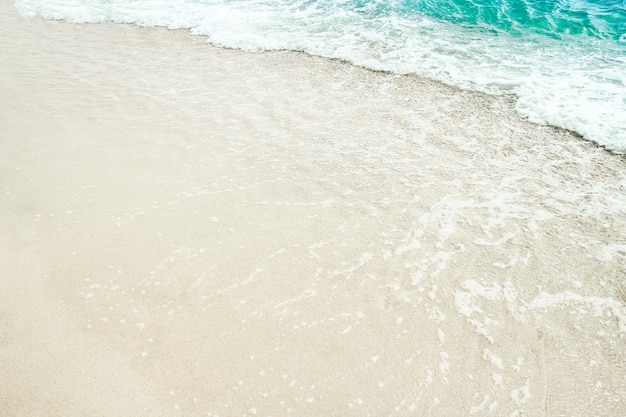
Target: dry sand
[(193, 231)]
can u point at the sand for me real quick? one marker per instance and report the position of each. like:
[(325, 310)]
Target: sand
[(194, 231)]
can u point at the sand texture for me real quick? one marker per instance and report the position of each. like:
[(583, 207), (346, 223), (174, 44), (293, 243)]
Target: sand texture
[(194, 231)]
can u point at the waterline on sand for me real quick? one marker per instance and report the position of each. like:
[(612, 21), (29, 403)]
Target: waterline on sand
[(191, 230)]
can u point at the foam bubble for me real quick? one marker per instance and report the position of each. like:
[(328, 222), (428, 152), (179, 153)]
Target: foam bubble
[(598, 306), (578, 83), (574, 82)]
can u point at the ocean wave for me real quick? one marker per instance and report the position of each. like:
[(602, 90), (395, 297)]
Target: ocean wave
[(564, 61)]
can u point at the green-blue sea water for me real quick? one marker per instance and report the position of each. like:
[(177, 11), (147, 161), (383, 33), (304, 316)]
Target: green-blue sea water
[(564, 61), (604, 19)]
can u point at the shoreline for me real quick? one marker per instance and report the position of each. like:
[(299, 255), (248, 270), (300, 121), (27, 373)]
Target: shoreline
[(587, 131), (199, 231), (510, 98)]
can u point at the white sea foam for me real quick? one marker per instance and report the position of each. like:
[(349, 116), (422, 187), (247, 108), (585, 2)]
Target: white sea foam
[(579, 85), (610, 251), (597, 306), (469, 303), (439, 270)]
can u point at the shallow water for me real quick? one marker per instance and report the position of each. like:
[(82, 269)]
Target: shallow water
[(200, 231), (563, 61)]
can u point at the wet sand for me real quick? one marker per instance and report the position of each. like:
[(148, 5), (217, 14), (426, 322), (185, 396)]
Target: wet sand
[(194, 231)]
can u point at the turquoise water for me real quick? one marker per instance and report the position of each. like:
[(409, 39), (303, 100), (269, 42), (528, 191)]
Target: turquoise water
[(563, 61), (601, 19)]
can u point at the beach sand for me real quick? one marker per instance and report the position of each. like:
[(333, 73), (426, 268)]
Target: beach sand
[(194, 231)]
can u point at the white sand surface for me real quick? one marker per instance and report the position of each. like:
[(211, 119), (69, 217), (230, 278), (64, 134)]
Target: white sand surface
[(194, 231)]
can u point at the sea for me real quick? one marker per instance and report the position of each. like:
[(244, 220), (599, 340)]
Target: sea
[(563, 62), (190, 230)]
